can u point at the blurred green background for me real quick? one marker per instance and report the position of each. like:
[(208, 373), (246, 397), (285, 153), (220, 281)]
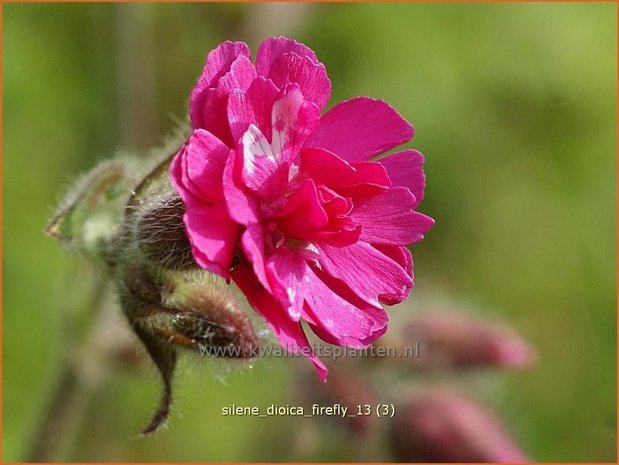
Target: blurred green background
[(514, 106)]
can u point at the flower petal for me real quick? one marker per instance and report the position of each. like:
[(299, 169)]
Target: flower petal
[(335, 319), (403, 257), (331, 316), (213, 236), (309, 75), (289, 332), (303, 212), (368, 272), (242, 207), (389, 219), (360, 128), (209, 109), (271, 49), (198, 167), (253, 106), (241, 75), (293, 119), (252, 243), (405, 168), (219, 60), (325, 168), (263, 170), (212, 114), (218, 63), (286, 269)]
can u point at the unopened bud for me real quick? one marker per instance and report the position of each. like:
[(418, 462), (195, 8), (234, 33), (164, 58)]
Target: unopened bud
[(443, 426), (89, 215), (461, 340), (160, 233), (189, 309), (171, 310)]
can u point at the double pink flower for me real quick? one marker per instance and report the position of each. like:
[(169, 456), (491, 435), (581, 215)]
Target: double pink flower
[(292, 206)]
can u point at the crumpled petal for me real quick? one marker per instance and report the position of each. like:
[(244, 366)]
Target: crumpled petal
[(286, 269), (360, 128), (289, 332), (253, 246), (389, 218), (218, 63), (309, 75), (338, 321), (197, 169), (303, 212), (366, 270), (293, 119), (332, 316), (402, 256), (209, 110), (253, 106), (405, 168), (271, 49), (264, 172), (242, 208), (213, 236), (326, 168)]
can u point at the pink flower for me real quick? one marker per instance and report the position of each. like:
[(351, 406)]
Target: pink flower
[(294, 207)]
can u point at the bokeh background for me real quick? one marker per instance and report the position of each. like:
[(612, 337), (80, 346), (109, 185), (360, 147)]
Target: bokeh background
[(514, 106)]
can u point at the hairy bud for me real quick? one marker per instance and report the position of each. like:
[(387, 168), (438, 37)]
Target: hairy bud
[(160, 233), (87, 219)]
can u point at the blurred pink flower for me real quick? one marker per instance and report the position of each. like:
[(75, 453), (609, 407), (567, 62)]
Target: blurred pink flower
[(457, 339), (292, 206), (445, 426)]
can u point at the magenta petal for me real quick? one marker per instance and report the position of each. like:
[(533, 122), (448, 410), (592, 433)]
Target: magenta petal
[(219, 60), (293, 119), (252, 243), (329, 170), (289, 332), (252, 107), (241, 75), (286, 269), (389, 219), (337, 320), (213, 236), (213, 116), (403, 257), (263, 171), (303, 212), (360, 128), (271, 49), (310, 76), (242, 206), (366, 271), (217, 64), (406, 169), (209, 109), (198, 167)]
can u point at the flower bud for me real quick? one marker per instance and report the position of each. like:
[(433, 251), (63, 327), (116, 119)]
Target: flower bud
[(171, 310), (450, 339), (443, 426), (89, 215), (190, 309), (160, 233)]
